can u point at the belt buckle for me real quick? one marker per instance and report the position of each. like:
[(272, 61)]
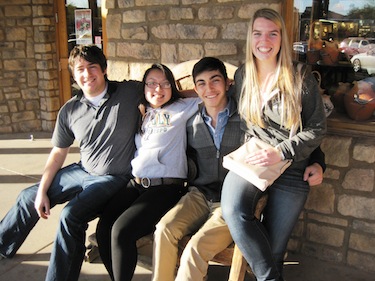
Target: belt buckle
[(146, 182)]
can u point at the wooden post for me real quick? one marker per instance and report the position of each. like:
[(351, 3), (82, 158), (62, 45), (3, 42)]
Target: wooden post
[(238, 267)]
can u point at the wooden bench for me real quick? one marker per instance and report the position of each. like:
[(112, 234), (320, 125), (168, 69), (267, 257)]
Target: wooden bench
[(231, 256)]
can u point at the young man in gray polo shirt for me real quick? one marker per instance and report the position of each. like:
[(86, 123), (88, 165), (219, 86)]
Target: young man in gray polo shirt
[(103, 118)]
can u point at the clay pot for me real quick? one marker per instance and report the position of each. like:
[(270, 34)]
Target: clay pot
[(360, 101), (313, 56), (338, 96), (315, 44), (366, 89), (330, 53)]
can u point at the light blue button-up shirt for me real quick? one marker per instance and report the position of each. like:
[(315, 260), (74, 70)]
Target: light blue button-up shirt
[(222, 120)]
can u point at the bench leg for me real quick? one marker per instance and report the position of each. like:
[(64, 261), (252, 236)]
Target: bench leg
[(238, 266)]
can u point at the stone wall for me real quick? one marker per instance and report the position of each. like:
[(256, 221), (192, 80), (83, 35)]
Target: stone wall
[(338, 222), (139, 33), (29, 98), (142, 32)]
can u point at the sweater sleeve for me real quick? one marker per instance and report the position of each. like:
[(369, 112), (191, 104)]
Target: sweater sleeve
[(302, 144), (318, 156)]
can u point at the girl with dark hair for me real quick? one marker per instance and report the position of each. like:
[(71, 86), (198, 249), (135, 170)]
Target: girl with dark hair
[(169, 76), (159, 169)]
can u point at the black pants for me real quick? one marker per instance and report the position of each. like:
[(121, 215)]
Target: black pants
[(131, 214)]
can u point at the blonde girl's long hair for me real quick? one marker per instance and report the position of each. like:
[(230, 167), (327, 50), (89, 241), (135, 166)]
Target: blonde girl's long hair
[(286, 81)]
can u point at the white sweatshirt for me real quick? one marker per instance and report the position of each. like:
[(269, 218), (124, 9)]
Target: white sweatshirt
[(161, 149)]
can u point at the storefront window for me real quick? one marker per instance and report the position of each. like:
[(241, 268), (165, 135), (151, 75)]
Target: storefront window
[(84, 26), (336, 38), (84, 22)]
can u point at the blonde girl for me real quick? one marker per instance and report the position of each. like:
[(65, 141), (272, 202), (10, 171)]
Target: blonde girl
[(281, 105)]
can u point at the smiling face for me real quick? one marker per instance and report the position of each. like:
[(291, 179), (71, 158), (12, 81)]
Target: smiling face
[(89, 77), (158, 89), (265, 40), (211, 87)]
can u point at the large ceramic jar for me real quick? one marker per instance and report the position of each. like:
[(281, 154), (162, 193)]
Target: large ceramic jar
[(360, 101)]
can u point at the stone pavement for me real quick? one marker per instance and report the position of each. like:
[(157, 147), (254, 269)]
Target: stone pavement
[(21, 164)]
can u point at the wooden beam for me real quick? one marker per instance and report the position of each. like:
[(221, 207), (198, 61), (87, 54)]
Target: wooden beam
[(287, 12), (104, 27)]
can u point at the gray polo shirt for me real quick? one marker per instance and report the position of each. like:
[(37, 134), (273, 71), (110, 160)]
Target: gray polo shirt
[(105, 133)]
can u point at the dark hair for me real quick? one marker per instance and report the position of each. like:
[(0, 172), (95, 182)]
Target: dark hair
[(90, 53), (169, 75), (209, 64)]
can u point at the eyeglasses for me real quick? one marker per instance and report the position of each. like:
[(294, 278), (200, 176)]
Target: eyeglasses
[(154, 85)]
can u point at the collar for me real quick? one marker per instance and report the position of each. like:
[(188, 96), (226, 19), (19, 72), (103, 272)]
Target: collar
[(228, 110), (96, 101)]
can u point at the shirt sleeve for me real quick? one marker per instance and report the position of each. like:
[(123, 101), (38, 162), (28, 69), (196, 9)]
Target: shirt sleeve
[(191, 106), (62, 136)]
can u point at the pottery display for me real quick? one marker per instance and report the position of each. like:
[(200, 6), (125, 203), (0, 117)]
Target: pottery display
[(329, 53), (338, 96), (360, 101)]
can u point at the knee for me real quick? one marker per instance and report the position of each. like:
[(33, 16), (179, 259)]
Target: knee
[(116, 233), (193, 245), (228, 211), (27, 196), (69, 225), (195, 251), (166, 231), (69, 220), (233, 213), (121, 233), (160, 231)]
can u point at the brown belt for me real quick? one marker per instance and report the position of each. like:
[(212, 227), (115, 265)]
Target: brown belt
[(147, 182)]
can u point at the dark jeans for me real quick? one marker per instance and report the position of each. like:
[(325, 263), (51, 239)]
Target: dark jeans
[(131, 214), (87, 195), (263, 244)]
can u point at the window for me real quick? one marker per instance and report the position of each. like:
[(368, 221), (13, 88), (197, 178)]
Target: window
[(84, 22), (336, 38)]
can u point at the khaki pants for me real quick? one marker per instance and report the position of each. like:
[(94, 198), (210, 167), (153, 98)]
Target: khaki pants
[(192, 214)]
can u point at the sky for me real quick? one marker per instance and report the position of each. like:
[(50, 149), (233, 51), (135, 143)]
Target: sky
[(337, 6)]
